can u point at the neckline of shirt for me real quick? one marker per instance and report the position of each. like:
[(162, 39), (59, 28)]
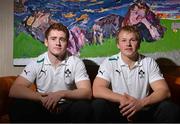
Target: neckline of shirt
[(137, 63), (48, 62)]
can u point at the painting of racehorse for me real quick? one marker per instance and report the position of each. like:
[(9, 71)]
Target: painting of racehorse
[(93, 25)]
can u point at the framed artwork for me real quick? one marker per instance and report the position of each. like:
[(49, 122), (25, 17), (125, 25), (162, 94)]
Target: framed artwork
[(93, 25)]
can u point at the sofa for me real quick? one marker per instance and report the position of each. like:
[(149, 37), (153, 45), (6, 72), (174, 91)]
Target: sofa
[(172, 77), (5, 101)]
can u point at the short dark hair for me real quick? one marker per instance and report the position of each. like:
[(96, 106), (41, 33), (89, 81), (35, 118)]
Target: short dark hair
[(132, 29), (59, 27)]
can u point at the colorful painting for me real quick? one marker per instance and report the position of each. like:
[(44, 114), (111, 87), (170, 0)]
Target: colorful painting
[(93, 25)]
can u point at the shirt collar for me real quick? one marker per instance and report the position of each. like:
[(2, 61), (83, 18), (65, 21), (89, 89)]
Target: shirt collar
[(46, 59), (48, 62), (137, 63)]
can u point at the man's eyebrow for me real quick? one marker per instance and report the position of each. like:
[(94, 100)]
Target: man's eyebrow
[(52, 37)]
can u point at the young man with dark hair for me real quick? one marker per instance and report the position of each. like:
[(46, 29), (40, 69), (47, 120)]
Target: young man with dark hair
[(63, 85)]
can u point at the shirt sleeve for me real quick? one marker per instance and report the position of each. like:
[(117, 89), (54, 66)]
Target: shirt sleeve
[(104, 70), (154, 71), (80, 71), (29, 72)]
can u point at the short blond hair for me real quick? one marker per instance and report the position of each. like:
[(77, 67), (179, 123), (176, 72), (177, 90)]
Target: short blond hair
[(131, 29)]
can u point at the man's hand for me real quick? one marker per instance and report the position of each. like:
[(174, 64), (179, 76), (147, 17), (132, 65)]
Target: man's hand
[(50, 101), (130, 106)]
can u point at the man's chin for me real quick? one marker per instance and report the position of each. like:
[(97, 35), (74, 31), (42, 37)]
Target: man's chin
[(59, 54), (56, 54), (129, 55)]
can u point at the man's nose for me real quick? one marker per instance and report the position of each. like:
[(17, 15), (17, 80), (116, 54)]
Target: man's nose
[(129, 43), (58, 42)]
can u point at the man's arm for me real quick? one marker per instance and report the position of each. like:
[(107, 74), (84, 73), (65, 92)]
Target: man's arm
[(20, 89), (83, 85), (83, 91), (160, 92), (101, 90)]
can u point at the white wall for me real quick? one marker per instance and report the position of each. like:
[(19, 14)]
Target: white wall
[(6, 39)]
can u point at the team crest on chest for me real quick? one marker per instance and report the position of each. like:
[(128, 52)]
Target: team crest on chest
[(67, 73), (141, 74)]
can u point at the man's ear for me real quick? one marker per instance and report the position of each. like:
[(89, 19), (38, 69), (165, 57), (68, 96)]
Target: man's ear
[(117, 44), (45, 42)]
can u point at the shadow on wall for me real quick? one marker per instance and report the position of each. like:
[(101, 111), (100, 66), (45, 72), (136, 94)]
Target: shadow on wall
[(92, 69), (171, 74), (165, 62), (166, 65)]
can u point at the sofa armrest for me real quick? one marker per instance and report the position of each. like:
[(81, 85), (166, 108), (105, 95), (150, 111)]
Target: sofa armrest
[(5, 85), (173, 82)]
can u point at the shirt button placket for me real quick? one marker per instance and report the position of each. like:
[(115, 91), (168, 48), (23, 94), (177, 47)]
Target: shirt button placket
[(130, 81)]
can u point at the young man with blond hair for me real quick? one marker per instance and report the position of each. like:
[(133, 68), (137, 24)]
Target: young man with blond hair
[(122, 86)]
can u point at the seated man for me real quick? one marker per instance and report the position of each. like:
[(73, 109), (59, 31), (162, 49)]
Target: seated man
[(63, 86), (123, 83)]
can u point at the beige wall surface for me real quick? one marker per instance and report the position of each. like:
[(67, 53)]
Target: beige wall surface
[(6, 39)]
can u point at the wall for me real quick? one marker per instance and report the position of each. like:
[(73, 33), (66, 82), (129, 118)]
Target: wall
[(6, 39)]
